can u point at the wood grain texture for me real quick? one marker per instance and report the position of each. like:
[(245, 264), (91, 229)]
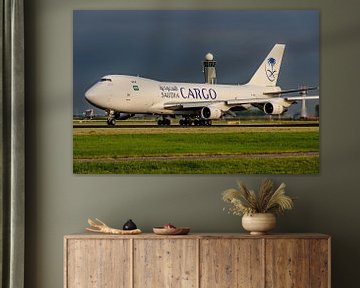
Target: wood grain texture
[(166, 263), (88, 235), (319, 263), (287, 263), (197, 260), (231, 263), (98, 263)]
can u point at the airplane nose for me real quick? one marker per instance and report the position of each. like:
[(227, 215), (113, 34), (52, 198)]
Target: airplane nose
[(90, 96), (95, 97)]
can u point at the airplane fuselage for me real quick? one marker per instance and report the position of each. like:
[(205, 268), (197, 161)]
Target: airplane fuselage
[(132, 94)]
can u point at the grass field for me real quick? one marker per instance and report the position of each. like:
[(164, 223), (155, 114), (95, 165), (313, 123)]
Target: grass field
[(103, 151), (291, 165)]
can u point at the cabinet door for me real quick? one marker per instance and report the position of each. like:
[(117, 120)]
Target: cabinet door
[(98, 263), (231, 263), (166, 263), (320, 263), (297, 263)]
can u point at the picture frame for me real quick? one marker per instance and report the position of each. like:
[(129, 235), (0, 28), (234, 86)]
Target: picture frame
[(139, 99), (12, 137)]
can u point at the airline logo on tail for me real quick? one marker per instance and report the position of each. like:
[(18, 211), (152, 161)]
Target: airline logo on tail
[(270, 70)]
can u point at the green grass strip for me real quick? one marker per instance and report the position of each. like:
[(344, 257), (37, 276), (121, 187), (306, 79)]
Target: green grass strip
[(291, 165), (98, 146)]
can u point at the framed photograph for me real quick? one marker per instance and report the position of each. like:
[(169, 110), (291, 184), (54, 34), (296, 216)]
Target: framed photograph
[(196, 92)]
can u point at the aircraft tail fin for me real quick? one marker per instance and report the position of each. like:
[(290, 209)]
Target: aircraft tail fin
[(268, 72)]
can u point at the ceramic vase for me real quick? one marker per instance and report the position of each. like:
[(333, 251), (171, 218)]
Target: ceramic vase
[(259, 223)]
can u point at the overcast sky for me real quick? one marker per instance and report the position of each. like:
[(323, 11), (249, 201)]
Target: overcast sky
[(171, 45)]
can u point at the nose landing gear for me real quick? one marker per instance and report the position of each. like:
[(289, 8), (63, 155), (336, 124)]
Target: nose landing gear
[(111, 121)]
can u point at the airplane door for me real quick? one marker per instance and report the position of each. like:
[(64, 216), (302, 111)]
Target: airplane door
[(131, 96), (128, 96)]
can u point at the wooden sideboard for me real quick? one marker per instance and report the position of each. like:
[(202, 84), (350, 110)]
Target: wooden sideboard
[(197, 260)]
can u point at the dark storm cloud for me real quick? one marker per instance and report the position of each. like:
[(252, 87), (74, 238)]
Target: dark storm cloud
[(170, 45)]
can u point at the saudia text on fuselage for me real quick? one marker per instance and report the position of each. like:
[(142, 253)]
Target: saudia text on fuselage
[(167, 91)]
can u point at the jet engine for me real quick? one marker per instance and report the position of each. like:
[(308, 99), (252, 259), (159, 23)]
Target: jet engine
[(274, 109), (210, 113)]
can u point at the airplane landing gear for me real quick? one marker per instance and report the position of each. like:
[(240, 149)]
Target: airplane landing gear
[(202, 122), (185, 122), (111, 118), (197, 122), (164, 122), (111, 122)]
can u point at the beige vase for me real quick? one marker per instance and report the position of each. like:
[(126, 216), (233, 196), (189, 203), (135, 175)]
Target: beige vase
[(259, 223)]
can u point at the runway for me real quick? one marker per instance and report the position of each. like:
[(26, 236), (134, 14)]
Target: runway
[(305, 124)]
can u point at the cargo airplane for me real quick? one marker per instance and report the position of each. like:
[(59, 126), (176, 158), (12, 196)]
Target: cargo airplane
[(124, 96)]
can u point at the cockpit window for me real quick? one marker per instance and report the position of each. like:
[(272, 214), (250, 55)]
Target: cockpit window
[(105, 79)]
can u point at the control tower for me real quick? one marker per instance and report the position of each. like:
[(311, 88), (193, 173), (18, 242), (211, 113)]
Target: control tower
[(303, 113), (209, 69)]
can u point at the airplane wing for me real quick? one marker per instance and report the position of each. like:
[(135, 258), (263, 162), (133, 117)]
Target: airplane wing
[(230, 103), (188, 105), (278, 93), (235, 102), (295, 98), (265, 100)]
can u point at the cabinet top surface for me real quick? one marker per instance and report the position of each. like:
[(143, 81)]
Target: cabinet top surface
[(199, 236)]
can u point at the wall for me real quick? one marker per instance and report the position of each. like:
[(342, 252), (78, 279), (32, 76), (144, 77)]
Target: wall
[(59, 202)]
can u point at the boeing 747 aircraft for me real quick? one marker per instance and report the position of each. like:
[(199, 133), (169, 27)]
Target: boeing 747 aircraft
[(197, 103)]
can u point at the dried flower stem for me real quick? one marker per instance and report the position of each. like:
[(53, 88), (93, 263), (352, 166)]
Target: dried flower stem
[(245, 201)]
